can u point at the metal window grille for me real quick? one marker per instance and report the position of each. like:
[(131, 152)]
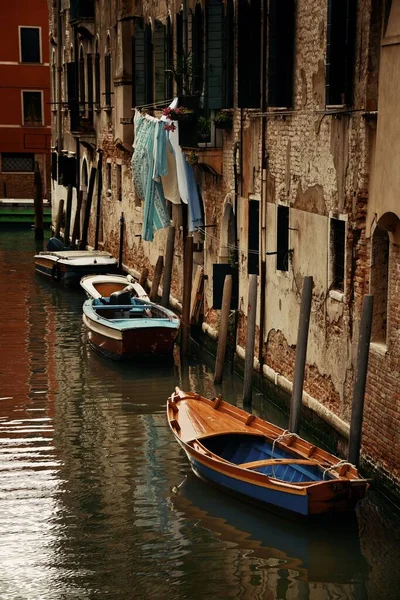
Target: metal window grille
[(17, 163)]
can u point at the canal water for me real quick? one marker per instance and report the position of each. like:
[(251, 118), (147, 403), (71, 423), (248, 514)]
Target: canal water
[(97, 500)]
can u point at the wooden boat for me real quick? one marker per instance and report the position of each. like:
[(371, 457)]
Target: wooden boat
[(259, 461), (99, 286), (121, 326), (68, 266)]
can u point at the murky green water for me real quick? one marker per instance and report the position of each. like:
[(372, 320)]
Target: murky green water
[(96, 498)]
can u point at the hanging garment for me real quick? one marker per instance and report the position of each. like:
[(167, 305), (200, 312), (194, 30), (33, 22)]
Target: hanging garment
[(170, 180), (195, 212), (155, 214)]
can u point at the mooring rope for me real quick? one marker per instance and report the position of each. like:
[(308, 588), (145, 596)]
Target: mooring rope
[(341, 463)]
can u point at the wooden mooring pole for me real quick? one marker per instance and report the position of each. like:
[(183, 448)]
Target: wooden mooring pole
[(223, 329), (156, 278), (59, 218), (38, 203), (121, 240), (187, 294), (68, 212), (250, 341), (301, 353), (77, 221), (360, 380), (169, 259), (85, 228)]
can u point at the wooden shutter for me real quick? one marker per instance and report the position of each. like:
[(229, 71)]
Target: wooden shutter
[(149, 65), (198, 51), (341, 33), (139, 66), (97, 79), (229, 58), (73, 104), (249, 53), (169, 61), (160, 60), (107, 75), (215, 54), (281, 52), (89, 66)]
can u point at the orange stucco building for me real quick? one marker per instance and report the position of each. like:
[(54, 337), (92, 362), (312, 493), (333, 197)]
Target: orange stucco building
[(25, 125)]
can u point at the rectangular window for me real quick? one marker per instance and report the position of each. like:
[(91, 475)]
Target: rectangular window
[(282, 238), (119, 182), (107, 79), (253, 237), (32, 108), (281, 52), (337, 248), (341, 33), (249, 54), (30, 44), (17, 162)]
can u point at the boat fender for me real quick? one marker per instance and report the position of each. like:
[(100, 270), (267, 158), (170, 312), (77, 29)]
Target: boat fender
[(56, 272)]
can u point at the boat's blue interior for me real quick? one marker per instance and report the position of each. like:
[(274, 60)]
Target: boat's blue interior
[(242, 448)]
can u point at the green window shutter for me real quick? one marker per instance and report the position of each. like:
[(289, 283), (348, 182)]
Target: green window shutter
[(139, 79), (215, 54), (159, 60)]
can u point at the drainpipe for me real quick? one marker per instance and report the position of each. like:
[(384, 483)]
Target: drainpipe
[(264, 188), (59, 75)]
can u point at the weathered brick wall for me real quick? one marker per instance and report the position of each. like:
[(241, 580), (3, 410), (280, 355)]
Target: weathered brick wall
[(16, 185)]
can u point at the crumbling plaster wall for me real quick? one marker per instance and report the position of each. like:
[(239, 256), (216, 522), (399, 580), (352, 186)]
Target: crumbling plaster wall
[(317, 166)]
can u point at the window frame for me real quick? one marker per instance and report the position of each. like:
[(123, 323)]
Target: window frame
[(280, 261), (38, 27), (24, 91)]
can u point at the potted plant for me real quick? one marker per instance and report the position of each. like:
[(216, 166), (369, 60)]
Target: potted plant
[(203, 129), (223, 119), (192, 158), (185, 77)]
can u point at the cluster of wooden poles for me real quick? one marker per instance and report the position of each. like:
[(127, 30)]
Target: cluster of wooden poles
[(301, 353)]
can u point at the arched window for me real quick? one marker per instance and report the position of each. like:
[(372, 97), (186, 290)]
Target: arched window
[(143, 65), (379, 283), (107, 74), (84, 176)]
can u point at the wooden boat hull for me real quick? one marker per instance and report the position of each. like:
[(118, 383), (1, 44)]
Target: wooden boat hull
[(130, 344), (323, 485), (69, 267)]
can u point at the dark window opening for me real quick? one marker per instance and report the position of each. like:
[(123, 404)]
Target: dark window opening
[(197, 51), (89, 65), (341, 33), (249, 54), (82, 82), (32, 101), (54, 159), (282, 238), (119, 182), (30, 44), (179, 50), (338, 244), (380, 284), (67, 170), (229, 54), (253, 237), (97, 79), (107, 79), (215, 54), (17, 162), (281, 52), (169, 61)]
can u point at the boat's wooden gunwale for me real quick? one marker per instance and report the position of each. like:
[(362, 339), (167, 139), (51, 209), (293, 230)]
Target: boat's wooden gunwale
[(259, 427)]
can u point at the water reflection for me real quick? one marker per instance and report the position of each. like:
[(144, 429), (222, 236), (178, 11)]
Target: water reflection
[(293, 551), (87, 465)]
